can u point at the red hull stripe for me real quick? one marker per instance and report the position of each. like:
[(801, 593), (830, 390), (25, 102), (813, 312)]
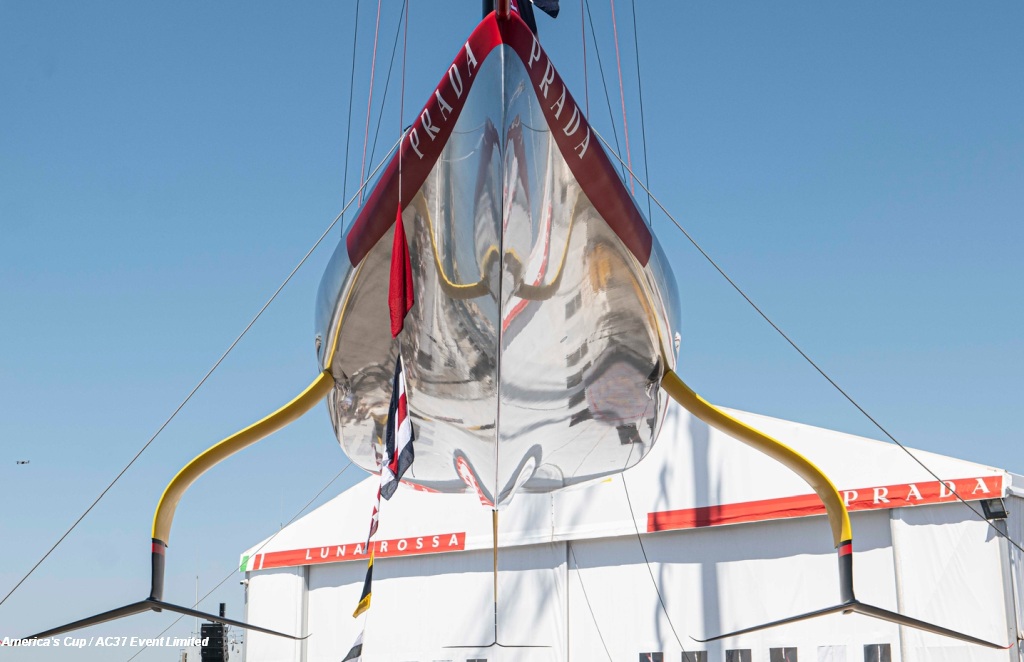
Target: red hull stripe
[(356, 551), (588, 162), (428, 135), (863, 498)]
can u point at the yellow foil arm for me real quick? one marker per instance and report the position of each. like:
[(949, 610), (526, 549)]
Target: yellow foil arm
[(838, 517), (305, 401)]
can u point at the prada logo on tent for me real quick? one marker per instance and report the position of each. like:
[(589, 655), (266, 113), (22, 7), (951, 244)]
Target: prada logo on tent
[(860, 498)]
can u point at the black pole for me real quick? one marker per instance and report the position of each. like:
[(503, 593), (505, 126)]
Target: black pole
[(158, 561)]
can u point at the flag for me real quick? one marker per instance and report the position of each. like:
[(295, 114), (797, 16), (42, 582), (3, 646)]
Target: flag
[(400, 294), (525, 10), (549, 7), (356, 654), (364, 599), (374, 519), (398, 438)]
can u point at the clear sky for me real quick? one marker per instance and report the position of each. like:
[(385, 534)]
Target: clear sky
[(858, 168)]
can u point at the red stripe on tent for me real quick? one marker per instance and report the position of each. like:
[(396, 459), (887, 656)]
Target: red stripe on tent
[(428, 135), (410, 546), (862, 498)]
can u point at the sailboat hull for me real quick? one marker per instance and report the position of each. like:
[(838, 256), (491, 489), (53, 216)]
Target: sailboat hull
[(544, 315)]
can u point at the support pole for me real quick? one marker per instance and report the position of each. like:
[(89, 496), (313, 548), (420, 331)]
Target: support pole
[(494, 538)]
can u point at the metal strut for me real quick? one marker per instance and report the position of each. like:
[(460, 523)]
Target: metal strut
[(835, 507), (164, 515), (494, 572)]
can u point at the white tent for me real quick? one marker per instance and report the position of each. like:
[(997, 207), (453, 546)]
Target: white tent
[(727, 537)]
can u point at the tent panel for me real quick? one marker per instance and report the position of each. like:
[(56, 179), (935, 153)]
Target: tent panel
[(444, 600), (950, 573), (1015, 524), (274, 599), (334, 591), (714, 580)]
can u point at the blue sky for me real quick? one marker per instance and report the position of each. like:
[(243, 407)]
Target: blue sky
[(859, 169)]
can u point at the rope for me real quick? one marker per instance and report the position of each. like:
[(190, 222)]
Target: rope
[(643, 127), (604, 83), (401, 98), (348, 120), (622, 97), (807, 358), (369, 101), (258, 549), (583, 34), (583, 588), (195, 389), (387, 83), (643, 550)]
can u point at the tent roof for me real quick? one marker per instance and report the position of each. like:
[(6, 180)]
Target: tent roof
[(695, 476)]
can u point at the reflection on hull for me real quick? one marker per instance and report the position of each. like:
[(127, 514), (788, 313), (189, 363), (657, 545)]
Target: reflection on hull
[(539, 337)]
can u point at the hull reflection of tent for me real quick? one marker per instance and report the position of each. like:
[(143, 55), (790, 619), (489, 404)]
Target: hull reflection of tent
[(730, 538)]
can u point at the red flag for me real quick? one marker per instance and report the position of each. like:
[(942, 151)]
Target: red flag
[(400, 296)]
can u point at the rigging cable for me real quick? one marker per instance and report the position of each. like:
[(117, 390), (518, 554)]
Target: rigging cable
[(369, 102), (401, 97), (257, 551), (197, 386), (643, 128), (604, 83), (611, 114), (583, 588), (348, 120), (387, 82), (586, 82), (686, 654), (622, 97), (807, 358), (643, 550)]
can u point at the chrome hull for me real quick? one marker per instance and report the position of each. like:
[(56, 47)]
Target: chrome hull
[(540, 333)]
